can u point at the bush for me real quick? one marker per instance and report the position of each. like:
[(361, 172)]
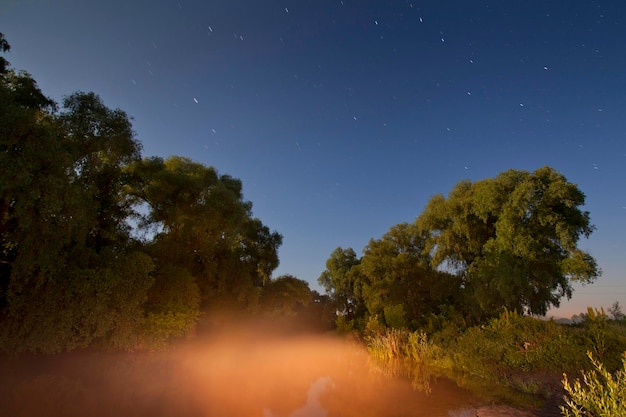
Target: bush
[(599, 394), (161, 328), (344, 325), (417, 347), (395, 316), (516, 343), (603, 337), (514, 351)]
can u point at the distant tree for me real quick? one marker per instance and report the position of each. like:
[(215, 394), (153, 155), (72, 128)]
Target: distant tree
[(512, 240), (4, 47), (319, 314), (616, 311), (285, 296)]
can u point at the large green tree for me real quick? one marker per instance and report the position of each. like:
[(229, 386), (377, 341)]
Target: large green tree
[(73, 192), (198, 220), (32, 170), (512, 240), (103, 144), (69, 275)]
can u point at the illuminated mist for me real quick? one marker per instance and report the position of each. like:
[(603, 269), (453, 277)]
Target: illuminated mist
[(239, 374)]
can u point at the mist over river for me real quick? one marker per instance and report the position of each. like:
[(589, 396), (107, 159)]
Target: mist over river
[(235, 375)]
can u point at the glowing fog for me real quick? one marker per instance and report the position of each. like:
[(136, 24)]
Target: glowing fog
[(239, 374)]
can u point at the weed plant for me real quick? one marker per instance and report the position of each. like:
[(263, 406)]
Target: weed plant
[(599, 394)]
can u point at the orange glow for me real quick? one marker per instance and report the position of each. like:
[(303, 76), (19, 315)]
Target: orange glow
[(235, 374)]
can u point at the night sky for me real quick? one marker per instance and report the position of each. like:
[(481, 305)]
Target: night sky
[(342, 118)]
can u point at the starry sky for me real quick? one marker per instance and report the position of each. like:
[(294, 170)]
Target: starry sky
[(343, 117)]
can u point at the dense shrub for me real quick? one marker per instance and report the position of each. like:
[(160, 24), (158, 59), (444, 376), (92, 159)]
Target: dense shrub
[(160, 328), (516, 343), (603, 337), (513, 350)]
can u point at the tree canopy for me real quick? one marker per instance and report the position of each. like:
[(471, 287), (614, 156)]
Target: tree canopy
[(284, 295), (509, 242), (70, 276), (341, 282), (512, 240), (101, 246), (200, 222)]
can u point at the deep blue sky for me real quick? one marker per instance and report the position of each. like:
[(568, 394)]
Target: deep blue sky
[(342, 118)]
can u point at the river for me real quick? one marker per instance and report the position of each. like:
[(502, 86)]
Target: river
[(240, 375)]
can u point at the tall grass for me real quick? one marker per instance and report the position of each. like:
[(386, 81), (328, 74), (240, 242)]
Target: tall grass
[(401, 353), (388, 344)]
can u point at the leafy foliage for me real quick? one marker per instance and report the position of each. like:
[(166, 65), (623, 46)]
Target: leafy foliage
[(341, 281), (599, 394), (513, 342), (603, 337), (160, 328), (69, 271), (504, 243), (520, 352), (395, 271), (202, 224), (284, 295), (72, 271), (512, 240), (4, 47)]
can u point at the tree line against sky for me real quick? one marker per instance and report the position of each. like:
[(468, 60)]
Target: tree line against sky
[(100, 245)]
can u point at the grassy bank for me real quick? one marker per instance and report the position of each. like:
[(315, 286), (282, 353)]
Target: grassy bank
[(517, 352)]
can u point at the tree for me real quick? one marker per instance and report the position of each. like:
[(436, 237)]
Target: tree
[(32, 173), (102, 144), (69, 272), (285, 296), (70, 276), (200, 222), (341, 282), (397, 277), (319, 314), (4, 47), (616, 311), (512, 240)]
